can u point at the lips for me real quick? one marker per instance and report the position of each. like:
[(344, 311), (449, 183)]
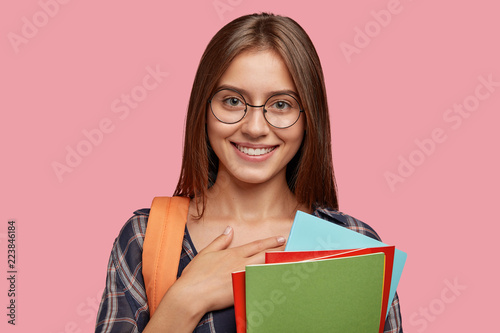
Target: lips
[(254, 151)]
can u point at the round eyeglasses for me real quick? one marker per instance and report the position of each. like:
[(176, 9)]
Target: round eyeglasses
[(280, 110)]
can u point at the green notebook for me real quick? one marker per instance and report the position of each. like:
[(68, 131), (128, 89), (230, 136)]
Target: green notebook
[(332, 295)]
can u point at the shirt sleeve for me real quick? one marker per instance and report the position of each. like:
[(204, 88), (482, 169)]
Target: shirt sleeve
[(393, 320), (124, 305)]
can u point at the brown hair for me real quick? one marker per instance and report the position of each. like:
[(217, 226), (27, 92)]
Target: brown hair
[(310, 173)]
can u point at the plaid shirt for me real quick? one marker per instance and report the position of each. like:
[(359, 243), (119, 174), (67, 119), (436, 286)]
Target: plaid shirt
[(124, 306)]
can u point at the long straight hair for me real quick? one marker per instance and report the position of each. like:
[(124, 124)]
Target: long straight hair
[(310, 173)]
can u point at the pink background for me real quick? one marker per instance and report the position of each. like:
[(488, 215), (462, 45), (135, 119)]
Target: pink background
[(63, 77)]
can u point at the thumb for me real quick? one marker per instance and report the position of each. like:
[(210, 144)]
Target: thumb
[(221, 242)]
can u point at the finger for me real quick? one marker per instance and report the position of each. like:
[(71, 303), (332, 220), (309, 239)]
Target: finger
[(261, 245), (221, 242), (260, 257)]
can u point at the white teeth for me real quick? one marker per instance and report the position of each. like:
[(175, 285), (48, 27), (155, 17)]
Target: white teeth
[(254, 151)]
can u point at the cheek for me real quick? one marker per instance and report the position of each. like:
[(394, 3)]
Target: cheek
[(295, 135), (212, 127), (210, 130), (297, 141), (217, 132)]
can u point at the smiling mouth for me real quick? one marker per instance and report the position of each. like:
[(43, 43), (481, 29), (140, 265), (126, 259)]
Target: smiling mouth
[(254, 151)]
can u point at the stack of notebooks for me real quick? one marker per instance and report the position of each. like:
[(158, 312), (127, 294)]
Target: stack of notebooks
[(328, 279)]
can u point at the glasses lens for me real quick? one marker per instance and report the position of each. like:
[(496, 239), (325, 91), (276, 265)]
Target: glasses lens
[(282, 110), (228, 106)]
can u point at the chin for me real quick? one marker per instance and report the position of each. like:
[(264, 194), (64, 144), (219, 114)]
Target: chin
[(254, 177)]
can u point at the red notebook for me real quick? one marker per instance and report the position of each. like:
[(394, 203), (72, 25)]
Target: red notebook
[(240, 311), (295, 256)]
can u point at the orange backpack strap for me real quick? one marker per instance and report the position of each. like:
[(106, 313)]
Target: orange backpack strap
[(162, 246)]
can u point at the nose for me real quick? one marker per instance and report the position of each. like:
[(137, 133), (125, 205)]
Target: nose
[(254, 123)]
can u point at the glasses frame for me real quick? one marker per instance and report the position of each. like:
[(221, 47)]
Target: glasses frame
[(254, 106)]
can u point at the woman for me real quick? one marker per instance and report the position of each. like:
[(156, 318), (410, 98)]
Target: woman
[(257, 149)]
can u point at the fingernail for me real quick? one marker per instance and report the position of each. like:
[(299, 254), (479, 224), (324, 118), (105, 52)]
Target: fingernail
[(227, 231), (280, 240)]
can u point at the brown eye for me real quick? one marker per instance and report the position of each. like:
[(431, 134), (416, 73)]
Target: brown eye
[(281, 105), (233, 101)]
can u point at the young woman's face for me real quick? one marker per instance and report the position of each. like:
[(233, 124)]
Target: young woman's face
[(251, 150)]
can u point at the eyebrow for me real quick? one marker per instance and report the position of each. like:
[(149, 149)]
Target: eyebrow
[(245, 92)]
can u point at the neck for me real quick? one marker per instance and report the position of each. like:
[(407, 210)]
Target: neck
[(250, 203)]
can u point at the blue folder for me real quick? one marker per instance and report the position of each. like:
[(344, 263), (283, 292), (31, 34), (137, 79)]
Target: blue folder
[(310, 233)]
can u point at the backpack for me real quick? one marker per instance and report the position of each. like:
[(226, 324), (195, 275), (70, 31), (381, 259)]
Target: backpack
[(162, 246)]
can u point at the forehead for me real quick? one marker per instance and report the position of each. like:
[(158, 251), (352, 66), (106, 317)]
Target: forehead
[(258, 73)]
